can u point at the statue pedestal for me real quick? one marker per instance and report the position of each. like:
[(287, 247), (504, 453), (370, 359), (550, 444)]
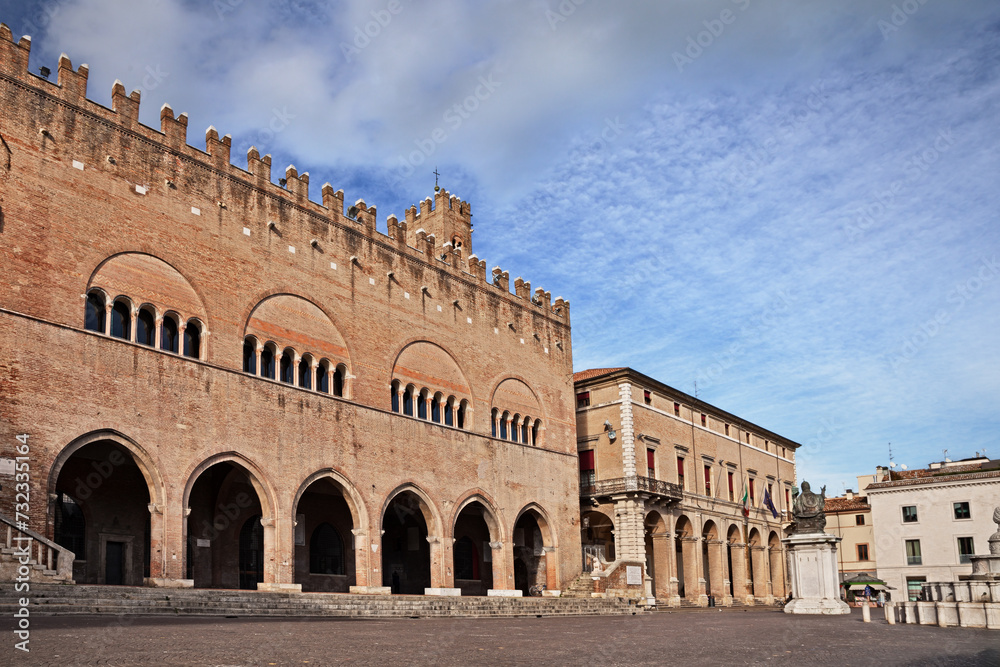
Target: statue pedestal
[(812, 568)]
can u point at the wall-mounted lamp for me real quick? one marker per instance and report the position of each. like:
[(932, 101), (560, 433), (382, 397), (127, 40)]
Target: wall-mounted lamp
[(314, 243), (612, 435)]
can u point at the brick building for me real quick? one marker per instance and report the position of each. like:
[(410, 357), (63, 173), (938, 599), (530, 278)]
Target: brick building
[(662, 479), (849, 517), (227, 384)]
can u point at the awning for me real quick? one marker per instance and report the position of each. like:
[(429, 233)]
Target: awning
[(875, 587)]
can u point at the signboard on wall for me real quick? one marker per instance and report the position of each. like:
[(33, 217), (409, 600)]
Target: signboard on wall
[(633, 575)]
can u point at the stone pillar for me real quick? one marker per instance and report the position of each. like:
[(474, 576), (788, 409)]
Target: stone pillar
[(759, 572), (630, 529), (132, 316), (107, 318), (694, 585), (157, 332), (739, 573), (551, 568), (812, 561), (717, 571), (663, 545)]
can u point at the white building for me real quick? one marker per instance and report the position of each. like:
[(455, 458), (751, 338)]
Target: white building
[(929, 521)]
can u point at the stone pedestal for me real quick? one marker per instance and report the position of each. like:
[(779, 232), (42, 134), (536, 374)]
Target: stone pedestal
[(812, 568)]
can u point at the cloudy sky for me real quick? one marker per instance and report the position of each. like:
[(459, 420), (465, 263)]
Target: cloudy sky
[(792, 204)]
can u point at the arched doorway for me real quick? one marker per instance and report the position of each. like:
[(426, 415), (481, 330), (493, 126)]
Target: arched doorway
[(597, 533), (775, 569), (736, 562), (406, 553), (532, 548), (687, 579), (657, 556), (324, 538), (101, 512), (474, 566), (227, 540), (755, 565)]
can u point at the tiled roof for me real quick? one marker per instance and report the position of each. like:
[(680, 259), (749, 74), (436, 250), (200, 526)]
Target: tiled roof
[(594, 372), (978, 470), (842, 504)]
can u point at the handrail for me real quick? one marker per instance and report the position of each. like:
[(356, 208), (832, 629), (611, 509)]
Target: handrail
[(47, 553), (604, 487)]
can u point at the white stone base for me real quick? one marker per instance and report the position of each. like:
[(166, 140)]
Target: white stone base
[(446, 592), (503, 593), (156, 582), (551, 594), (817, 607), (370, 590), (812, 569), (279, 588)]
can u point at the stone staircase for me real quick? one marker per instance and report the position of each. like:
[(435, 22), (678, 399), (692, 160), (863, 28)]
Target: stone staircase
[(49, 599), (581, 587), (47, 562)]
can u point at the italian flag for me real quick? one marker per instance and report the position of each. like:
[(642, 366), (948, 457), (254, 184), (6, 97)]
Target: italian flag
[(746, 499)]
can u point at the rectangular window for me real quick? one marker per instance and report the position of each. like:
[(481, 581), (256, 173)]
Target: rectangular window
[(770, 492), (965, 549), (708, 480), (651, 462), (962, 511), (783, 455), (752, 498), (704, 419), (677, 409), (732, 490), (913, 552), (766, 446), (583, 399), (587, 476), (859, 519), (909, 514), (788, 502), (862, 552), (748, 438), (680, 471), (648, 397), (727, 429)]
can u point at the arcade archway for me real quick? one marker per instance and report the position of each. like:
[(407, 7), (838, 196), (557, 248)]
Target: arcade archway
[(406, 552)]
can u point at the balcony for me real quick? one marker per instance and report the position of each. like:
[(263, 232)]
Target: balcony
[(590, 488)]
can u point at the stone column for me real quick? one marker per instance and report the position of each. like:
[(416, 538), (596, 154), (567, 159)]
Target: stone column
[(132, 316), (551, 568), (630, 530), (716, 566), (739, 573), (663, 544), (759, 572), (107, 318), (694, 585), (157, 332)]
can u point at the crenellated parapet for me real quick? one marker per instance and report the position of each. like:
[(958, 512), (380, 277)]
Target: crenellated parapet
[(437, 232)]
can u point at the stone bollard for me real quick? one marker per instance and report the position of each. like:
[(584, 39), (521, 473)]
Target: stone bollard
[(890, 613), (866, 613)]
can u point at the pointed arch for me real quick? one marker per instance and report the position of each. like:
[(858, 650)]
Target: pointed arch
[(143, 459), (261, 484), (359, 513)]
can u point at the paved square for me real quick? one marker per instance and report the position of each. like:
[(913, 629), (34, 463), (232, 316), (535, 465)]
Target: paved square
[(695, 638)]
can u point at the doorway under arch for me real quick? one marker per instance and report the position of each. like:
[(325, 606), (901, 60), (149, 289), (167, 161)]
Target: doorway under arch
[(406, 553)]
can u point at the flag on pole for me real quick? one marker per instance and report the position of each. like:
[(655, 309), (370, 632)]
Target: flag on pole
[(746, 499), (769, 505)]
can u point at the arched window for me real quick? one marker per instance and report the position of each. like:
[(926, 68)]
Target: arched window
[(305, 372), (339, 374), (267, 361), (422, 404), (121, 320), (504, 418), (192, 340), (326, 551), (460, 417), (515, 428), (71, 526), (408, 401), (436, 408), (449, 411), (494, 419), (168, 334), (323, 377), (536, 431), (250, 355), (93, 318), (394, 399), (287, 368), (466, 559), (145, 327), (525, 426)]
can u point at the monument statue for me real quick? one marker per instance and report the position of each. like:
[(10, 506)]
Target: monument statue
[(807, 511), (995, 537)]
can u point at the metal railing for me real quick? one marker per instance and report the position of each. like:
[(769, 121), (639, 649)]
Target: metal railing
[(605, 487)]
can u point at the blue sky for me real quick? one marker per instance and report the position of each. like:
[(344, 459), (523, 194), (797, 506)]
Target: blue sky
[(793, 204)]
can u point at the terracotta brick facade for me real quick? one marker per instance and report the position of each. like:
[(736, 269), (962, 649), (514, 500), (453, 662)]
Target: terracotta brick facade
[(92, 203)]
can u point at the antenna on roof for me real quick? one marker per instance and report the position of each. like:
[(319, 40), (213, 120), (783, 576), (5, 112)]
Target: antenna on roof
[(696, 389)]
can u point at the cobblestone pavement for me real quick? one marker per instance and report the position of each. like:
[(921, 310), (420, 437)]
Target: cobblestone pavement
[(697, 638)]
